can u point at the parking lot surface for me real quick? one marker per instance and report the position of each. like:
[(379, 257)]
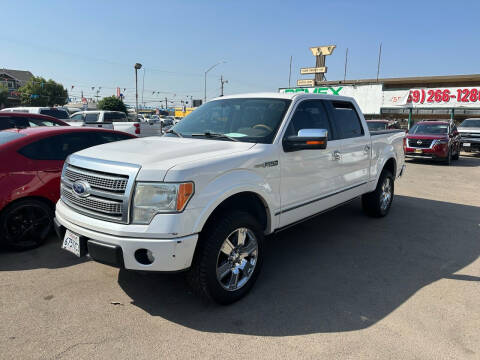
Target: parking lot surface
[(340, 286)]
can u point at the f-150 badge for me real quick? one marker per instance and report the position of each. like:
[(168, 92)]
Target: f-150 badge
[(267, 164)]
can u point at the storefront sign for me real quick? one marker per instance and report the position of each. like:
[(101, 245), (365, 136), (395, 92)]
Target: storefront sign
[(368, 97), (433, 97)]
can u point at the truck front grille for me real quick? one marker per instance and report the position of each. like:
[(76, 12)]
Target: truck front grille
[(419, 143), (107, 194), (99, 180), (93, 203)]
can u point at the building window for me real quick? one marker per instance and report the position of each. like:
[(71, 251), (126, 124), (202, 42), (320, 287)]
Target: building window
[(11, 84)]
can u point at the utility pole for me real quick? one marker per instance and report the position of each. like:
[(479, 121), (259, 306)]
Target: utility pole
[(137, 66), (222, 82), (379, 58), (346, 62), (290, 73)]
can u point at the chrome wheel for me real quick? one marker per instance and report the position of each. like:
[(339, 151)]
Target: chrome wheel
[(237, 259), (386, 194)]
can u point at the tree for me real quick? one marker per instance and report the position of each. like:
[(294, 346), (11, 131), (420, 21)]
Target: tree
[(40, 92), (112, 103), (3, 96)]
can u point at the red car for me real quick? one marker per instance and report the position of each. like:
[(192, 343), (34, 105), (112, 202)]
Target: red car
[(31, 162), (9, 120), (438, 140)]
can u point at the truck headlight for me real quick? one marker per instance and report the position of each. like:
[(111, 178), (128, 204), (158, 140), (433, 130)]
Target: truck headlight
[(153, 198)]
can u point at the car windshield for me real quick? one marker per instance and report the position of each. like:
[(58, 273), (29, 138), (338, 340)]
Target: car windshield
[(6, 136), (245, 119), (376, 126), (429, 129), (470, 123)]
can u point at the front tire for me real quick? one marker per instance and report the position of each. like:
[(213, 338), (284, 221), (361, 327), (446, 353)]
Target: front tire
[(228, 258), (25, 224), (378, 203)]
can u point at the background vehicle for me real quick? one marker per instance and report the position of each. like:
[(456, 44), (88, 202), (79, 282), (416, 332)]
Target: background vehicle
[(31, 162), (380, 125), (235, 169), (9, 120), (58, 113), (437, 140), (115, 120), (469, 131)]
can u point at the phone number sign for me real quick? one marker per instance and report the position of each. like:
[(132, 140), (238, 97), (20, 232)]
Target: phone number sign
[(434, 97)]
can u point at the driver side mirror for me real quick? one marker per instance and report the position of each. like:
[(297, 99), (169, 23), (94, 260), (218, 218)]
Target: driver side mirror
[(307, 139)]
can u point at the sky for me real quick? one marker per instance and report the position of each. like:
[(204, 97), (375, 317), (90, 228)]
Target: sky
[(88, 44)]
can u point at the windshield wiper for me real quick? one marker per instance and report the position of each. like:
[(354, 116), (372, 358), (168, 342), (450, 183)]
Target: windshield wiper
[(171, 131), (209, 134)]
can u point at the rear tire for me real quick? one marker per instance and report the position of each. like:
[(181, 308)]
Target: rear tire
[(457, 155), (377, 203), (224, 270), (25, 224)]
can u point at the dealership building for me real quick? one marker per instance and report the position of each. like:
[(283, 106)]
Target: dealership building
[(408, 99)]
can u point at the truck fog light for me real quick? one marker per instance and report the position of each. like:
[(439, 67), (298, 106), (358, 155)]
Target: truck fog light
[(144, 256)]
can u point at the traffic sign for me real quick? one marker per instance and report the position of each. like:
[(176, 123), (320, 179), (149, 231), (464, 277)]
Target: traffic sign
[(313, 70), (306, 82)]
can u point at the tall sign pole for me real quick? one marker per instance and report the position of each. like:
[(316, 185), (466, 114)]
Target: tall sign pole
[(320, 52)]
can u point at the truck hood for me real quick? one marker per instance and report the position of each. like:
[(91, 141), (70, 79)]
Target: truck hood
[(156, 155), (474, 130), (426, 137)]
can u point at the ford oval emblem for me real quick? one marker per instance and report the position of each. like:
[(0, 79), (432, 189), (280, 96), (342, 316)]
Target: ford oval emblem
[(81, 188)]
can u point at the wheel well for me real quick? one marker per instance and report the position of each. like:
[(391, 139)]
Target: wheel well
[(391, 166), (38, 198), (247, 201)]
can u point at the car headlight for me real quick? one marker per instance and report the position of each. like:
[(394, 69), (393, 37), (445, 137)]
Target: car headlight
[(440, 142), (153, 198)]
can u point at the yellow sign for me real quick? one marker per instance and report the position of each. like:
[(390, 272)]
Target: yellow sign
[(180, 113), (306, 82), (314, 70)]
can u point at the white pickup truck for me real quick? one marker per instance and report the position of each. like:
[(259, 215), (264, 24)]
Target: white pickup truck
[(203, 197), (115, 120)]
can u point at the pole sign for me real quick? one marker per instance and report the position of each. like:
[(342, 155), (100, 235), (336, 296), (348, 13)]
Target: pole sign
[(314, 70), (306, 82)]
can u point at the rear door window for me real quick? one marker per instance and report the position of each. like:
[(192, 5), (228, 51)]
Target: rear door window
[(77, 118), (347, 122), (114, 117), (13, 122), (91, 118), (56, 113), (57, 147)]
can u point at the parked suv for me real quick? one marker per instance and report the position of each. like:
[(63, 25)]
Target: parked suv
[(437, 140), (31, 162), (470, 134)]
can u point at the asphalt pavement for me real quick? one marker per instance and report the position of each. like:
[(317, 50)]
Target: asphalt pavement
[(340, 286)]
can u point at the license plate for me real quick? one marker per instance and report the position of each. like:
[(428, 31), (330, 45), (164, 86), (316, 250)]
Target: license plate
[(467, 144), (71, 242), (418, 151)]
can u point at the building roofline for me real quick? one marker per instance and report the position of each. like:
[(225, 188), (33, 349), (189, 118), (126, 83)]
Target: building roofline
[(412, 81)]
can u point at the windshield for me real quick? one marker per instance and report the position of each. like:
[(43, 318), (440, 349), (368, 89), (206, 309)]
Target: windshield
[(429, 129), (470, 123), (376, 126), (248, 120), (6, 136)]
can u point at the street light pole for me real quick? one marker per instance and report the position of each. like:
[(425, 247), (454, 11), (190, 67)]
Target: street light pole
[(205, 86), (137, 67)]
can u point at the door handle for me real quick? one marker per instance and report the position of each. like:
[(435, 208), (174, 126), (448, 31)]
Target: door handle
[(336, 155), (367, 149)]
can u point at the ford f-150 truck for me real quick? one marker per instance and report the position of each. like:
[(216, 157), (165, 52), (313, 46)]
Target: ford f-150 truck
[(469, 131), (203, 197)]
